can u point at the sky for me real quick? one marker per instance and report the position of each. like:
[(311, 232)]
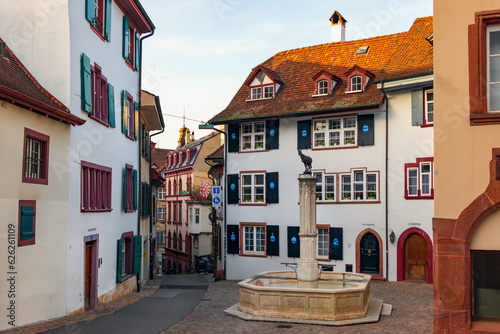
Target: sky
[(203, 50)]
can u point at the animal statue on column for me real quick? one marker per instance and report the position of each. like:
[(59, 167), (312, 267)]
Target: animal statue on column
[(307, 161)]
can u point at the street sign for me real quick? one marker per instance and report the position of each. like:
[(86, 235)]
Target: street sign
[(215, 190), (216, 201)]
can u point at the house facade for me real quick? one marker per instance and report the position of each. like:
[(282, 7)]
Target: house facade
[(357, 108), (33, 196), (96, 73), (467, 145)]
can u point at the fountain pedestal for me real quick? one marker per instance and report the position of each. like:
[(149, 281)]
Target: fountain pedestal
[(307, 268)]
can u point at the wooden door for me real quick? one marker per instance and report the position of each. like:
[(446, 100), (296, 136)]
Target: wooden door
[(416, 259), (88, 273), (370, 261)]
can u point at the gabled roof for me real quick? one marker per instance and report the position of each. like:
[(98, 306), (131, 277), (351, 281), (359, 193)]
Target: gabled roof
[(137, 15), (396, 56), (270, 73), (217, 154), (159, 156), (194, 148), (19, 87)]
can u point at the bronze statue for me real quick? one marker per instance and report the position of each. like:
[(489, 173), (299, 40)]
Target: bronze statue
[(307, 162)]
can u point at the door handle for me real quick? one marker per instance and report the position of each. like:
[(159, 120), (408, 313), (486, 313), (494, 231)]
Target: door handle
[(369, 252)]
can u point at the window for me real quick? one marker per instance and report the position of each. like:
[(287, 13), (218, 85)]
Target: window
[(197, 216), (180, 211), (100, 94), (419, 180), (98, 13), (129, 189), (252, 136), (325, 186), (35, 157), (95, 188), (160, 236), (161, 213), (131, 45), (125, 266), (335, 132), (256, 93), (175, 188), (145, 144), (268, 92), (180, 241), (359, 185), (191, 215), (161, 193), (169, 239), (254, 239), (356, 85), (27, 223), (169, 188), (130, 116), (323, 238), (169, 212), (323, 87), (252, 188), (493, 67), (485, 285), (257, 88), (429, 106), (175, 212)]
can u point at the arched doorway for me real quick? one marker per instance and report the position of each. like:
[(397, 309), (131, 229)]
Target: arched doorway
[(369, 259), (415, 256)]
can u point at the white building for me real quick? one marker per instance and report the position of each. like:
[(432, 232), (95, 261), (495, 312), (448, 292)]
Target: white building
[(348, 105), (88, 54)]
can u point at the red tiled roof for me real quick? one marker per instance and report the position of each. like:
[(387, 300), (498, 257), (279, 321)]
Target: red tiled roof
[(159, 156), (390, 57), (217, 154), (19, 87)]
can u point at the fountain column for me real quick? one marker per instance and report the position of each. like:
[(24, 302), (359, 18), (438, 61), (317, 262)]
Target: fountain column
[(307, 268)]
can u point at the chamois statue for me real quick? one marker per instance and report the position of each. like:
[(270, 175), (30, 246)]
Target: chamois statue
[(307, 162)]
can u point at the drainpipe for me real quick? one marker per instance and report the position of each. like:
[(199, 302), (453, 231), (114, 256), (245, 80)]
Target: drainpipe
[(386, 182)]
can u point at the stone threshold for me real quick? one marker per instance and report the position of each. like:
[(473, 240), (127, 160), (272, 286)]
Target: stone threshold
[(373, 315)]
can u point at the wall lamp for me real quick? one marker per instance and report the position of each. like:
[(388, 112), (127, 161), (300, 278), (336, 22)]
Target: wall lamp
[(392, 237)]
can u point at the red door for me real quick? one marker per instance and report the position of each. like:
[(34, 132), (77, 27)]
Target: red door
[(416, 261), (88, 273)]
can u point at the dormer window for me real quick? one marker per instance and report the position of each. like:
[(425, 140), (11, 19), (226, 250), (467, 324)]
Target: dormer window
[(256, 93), (324, 83), (323, 87), (263, 84), (357, 79), (356, 85), (268, 92)]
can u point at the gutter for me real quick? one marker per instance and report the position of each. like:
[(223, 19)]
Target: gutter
[(386, 182)]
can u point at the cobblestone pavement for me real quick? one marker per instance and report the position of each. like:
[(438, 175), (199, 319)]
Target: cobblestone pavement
[(412, 313)]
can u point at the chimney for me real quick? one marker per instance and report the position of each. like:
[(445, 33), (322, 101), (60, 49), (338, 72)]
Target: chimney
[(338, 27)]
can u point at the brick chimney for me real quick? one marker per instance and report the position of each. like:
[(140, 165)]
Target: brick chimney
[(338, 27)]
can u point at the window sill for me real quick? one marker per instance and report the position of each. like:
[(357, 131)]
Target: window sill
[(130, 137), (261, 99), (252, 204), (319, 95), (419, 197), (353, 91), (484, 119), (35, 181), (98, 120), (253, 151), (427, 125), (253, 255), (129, 211), (334, 147), (129, 65), (98, 33), (27, 242), (126, 277), (360, 202), (95, 210)]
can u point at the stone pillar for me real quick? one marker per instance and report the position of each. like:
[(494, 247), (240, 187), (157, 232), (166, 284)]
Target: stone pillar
[(307, 269)]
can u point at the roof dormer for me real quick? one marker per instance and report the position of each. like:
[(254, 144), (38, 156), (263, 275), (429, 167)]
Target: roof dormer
[(357, 79), (263, 83), (324, 83)]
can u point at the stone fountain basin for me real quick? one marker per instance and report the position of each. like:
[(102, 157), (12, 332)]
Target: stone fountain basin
[(275, 294)]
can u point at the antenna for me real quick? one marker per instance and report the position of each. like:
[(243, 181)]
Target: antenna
[(184, 118)]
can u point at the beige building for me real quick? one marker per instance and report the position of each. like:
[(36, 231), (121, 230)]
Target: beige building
[(34, 188), (467, 166)]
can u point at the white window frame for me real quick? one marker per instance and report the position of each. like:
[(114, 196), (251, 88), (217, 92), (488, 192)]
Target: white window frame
[(256, 93), (161, 213), (197, 216), (254, 239), (327, 180), (363, 193), (489, 30), (347, 136), (253, 186), (323, 87), (268, 91), (356, 84), (427, 103), (161, 193), (416, 178), (418, 167), (191, 215), (323, 240), (253, 136)]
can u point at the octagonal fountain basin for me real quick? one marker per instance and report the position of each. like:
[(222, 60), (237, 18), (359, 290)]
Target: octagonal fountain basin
[(276, 294)]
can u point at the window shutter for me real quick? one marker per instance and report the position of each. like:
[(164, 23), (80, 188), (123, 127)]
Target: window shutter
[(86, 83), (126, 37), (304, 134), (135, 188), (119, 261), (125, 107), (478, 103), (417, 107), (111, 105), (272, 134), (336, 244), (293, 241), (233, 239), (137, 51), (273, 240), (136, 120), (233, 189), (124, 194), (27, 230), (366, 130), (89, 11), (234, 138), (107, 21), (272, 187), (137, 253)]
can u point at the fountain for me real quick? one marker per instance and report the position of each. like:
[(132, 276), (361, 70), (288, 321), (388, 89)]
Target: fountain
[(306, 294)]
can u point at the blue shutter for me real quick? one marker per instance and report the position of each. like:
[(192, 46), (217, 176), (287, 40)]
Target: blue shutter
[(233, 189), (124, 190), (336, 244), (272, 134), (111, 105), (137, 253), (366, 130), (272, 187), (273, 240), (293, 241), (233, 239), (304, 134), (107, 21), (27, 230), (137, 51), (89, 11), (135, 188), (234, 137), (125, 112), (126, 37), (119, 261), (86, 83), (417, 107)]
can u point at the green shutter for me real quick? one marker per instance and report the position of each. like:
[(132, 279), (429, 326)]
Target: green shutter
[(135, 189), (111, 105), (137, 51), (107, 21), (124, 113), (89, 11), (136, 120), (27, 216), (126, 37), (119, 261), (86, 84), (137, 253), (124, 190)]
